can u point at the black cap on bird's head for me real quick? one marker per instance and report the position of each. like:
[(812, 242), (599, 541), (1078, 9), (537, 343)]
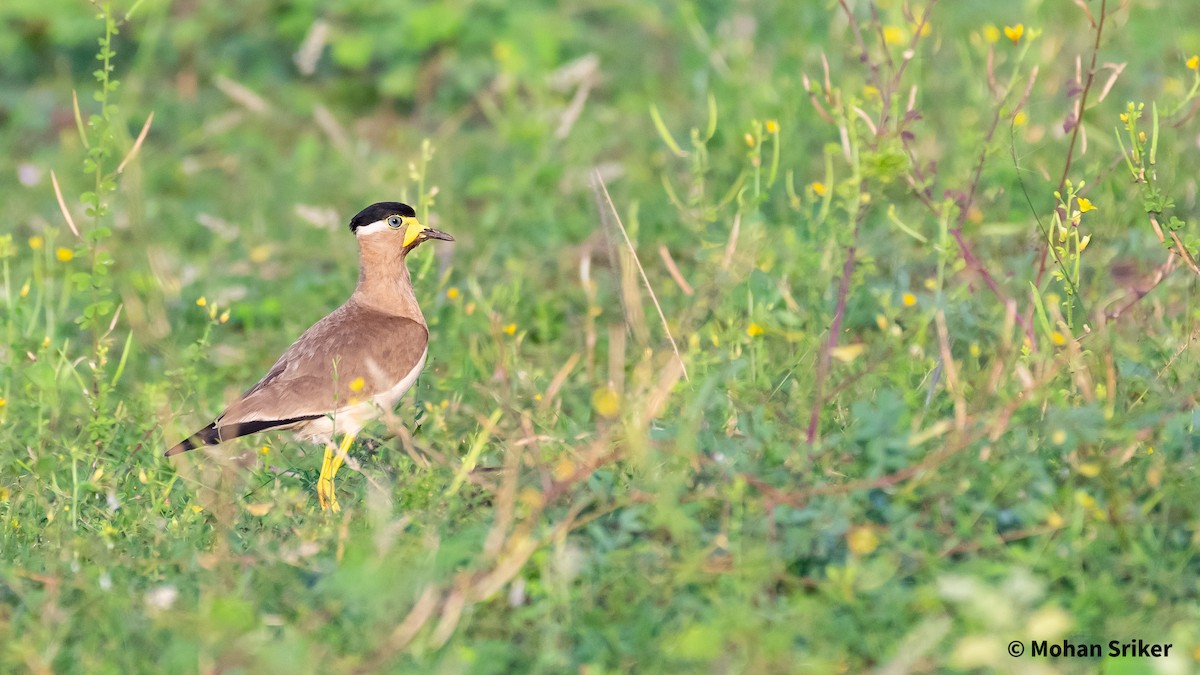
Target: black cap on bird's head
[(380, 211), (395, 216)]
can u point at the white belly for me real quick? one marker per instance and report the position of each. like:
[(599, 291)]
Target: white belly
[(352, 418)]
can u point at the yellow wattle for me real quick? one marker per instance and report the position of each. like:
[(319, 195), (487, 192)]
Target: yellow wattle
[(414, 228)]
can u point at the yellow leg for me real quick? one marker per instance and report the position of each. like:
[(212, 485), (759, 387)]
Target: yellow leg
[(329, 468)]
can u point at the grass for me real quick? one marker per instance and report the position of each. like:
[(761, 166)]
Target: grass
[(777, 337)]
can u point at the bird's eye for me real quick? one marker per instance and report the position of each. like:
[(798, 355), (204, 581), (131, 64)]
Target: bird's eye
[(395, 222)]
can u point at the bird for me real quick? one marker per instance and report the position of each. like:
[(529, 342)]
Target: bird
[(350, 366)]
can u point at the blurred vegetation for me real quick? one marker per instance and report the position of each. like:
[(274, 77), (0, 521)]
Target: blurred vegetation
[(938, 334)]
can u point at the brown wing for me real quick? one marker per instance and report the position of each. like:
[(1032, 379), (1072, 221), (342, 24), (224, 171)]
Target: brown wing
[(350, 355)]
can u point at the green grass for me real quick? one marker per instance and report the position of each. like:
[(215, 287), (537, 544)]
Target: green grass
[(870, 462)]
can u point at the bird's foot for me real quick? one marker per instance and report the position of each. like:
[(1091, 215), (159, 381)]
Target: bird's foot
[(325, 492)]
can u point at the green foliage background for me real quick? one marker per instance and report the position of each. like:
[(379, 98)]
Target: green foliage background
[(971, 476)]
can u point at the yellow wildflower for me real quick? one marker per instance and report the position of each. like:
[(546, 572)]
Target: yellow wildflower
[(862, 540), (991, 33), (452, 293), (908, 299), (1089, 469), (1193, 63), (847, 353), (1058, 437), (510, 328), (1085, 205), (260, 254), (1058, 339), (819, 188), (3, 402), (893, 35), (64, 254), (754, 330), (749, 138), (1014, 33), (357, 384), (772, 127), (606, 402), (1020, 119), (564, 468), (36, 243), (201, 301)]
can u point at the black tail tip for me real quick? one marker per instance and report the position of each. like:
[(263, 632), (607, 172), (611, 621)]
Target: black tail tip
[(206, 436)]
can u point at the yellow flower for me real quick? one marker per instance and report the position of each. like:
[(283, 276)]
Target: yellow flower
[(754, 330), (36, 243), (1054, 520), (893, 35), (64, 254), (357, 384), (908, 299), (870, 91), (1083, 243), (926, 28), (847, 353), (1193, 63), (1085, 500), (564, 468), (3, 402), (1020, 119), (25, 290), (1124, 117), (1058, 339), (749, 138), (772, 127), (1089, 469), (1085, 205), (201, 301), (974, 350), (991, 33), (1014, 33), (260, 254), (819, 188), (862, 540), (606, 402), (510, 328), (452, 293)]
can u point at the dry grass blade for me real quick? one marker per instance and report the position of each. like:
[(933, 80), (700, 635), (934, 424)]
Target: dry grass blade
[(603, 189), (684, 286), (62, 205), (137, 144)]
